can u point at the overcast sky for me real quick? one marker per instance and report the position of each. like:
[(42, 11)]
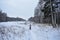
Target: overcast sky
[(18, 8)]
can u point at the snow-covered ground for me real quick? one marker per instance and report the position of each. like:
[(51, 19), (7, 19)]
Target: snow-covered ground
[(20, 31)]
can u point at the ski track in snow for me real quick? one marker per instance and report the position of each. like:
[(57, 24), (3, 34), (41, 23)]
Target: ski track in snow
[(21, 31)]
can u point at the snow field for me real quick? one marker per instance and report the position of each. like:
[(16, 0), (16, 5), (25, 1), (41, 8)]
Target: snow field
[(20, 31)]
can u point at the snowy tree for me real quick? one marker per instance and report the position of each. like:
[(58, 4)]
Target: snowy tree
[(38, 13), (47, 8), (3, 16)]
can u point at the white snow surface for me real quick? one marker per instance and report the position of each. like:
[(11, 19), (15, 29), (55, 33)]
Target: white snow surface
[(20, 31)]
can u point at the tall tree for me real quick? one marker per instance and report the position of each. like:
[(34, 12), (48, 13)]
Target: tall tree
[(47, 8)]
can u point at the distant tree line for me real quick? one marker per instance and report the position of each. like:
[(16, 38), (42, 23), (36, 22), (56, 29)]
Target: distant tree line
[(5, 18), (15, 19), (35, 19)]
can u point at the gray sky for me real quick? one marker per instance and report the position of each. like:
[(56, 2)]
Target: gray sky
[(19, 8)]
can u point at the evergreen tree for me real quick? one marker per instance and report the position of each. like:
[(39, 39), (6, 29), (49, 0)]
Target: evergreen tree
[(47, 8)]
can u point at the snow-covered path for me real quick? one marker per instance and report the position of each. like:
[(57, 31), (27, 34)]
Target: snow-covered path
[(21, 31)]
